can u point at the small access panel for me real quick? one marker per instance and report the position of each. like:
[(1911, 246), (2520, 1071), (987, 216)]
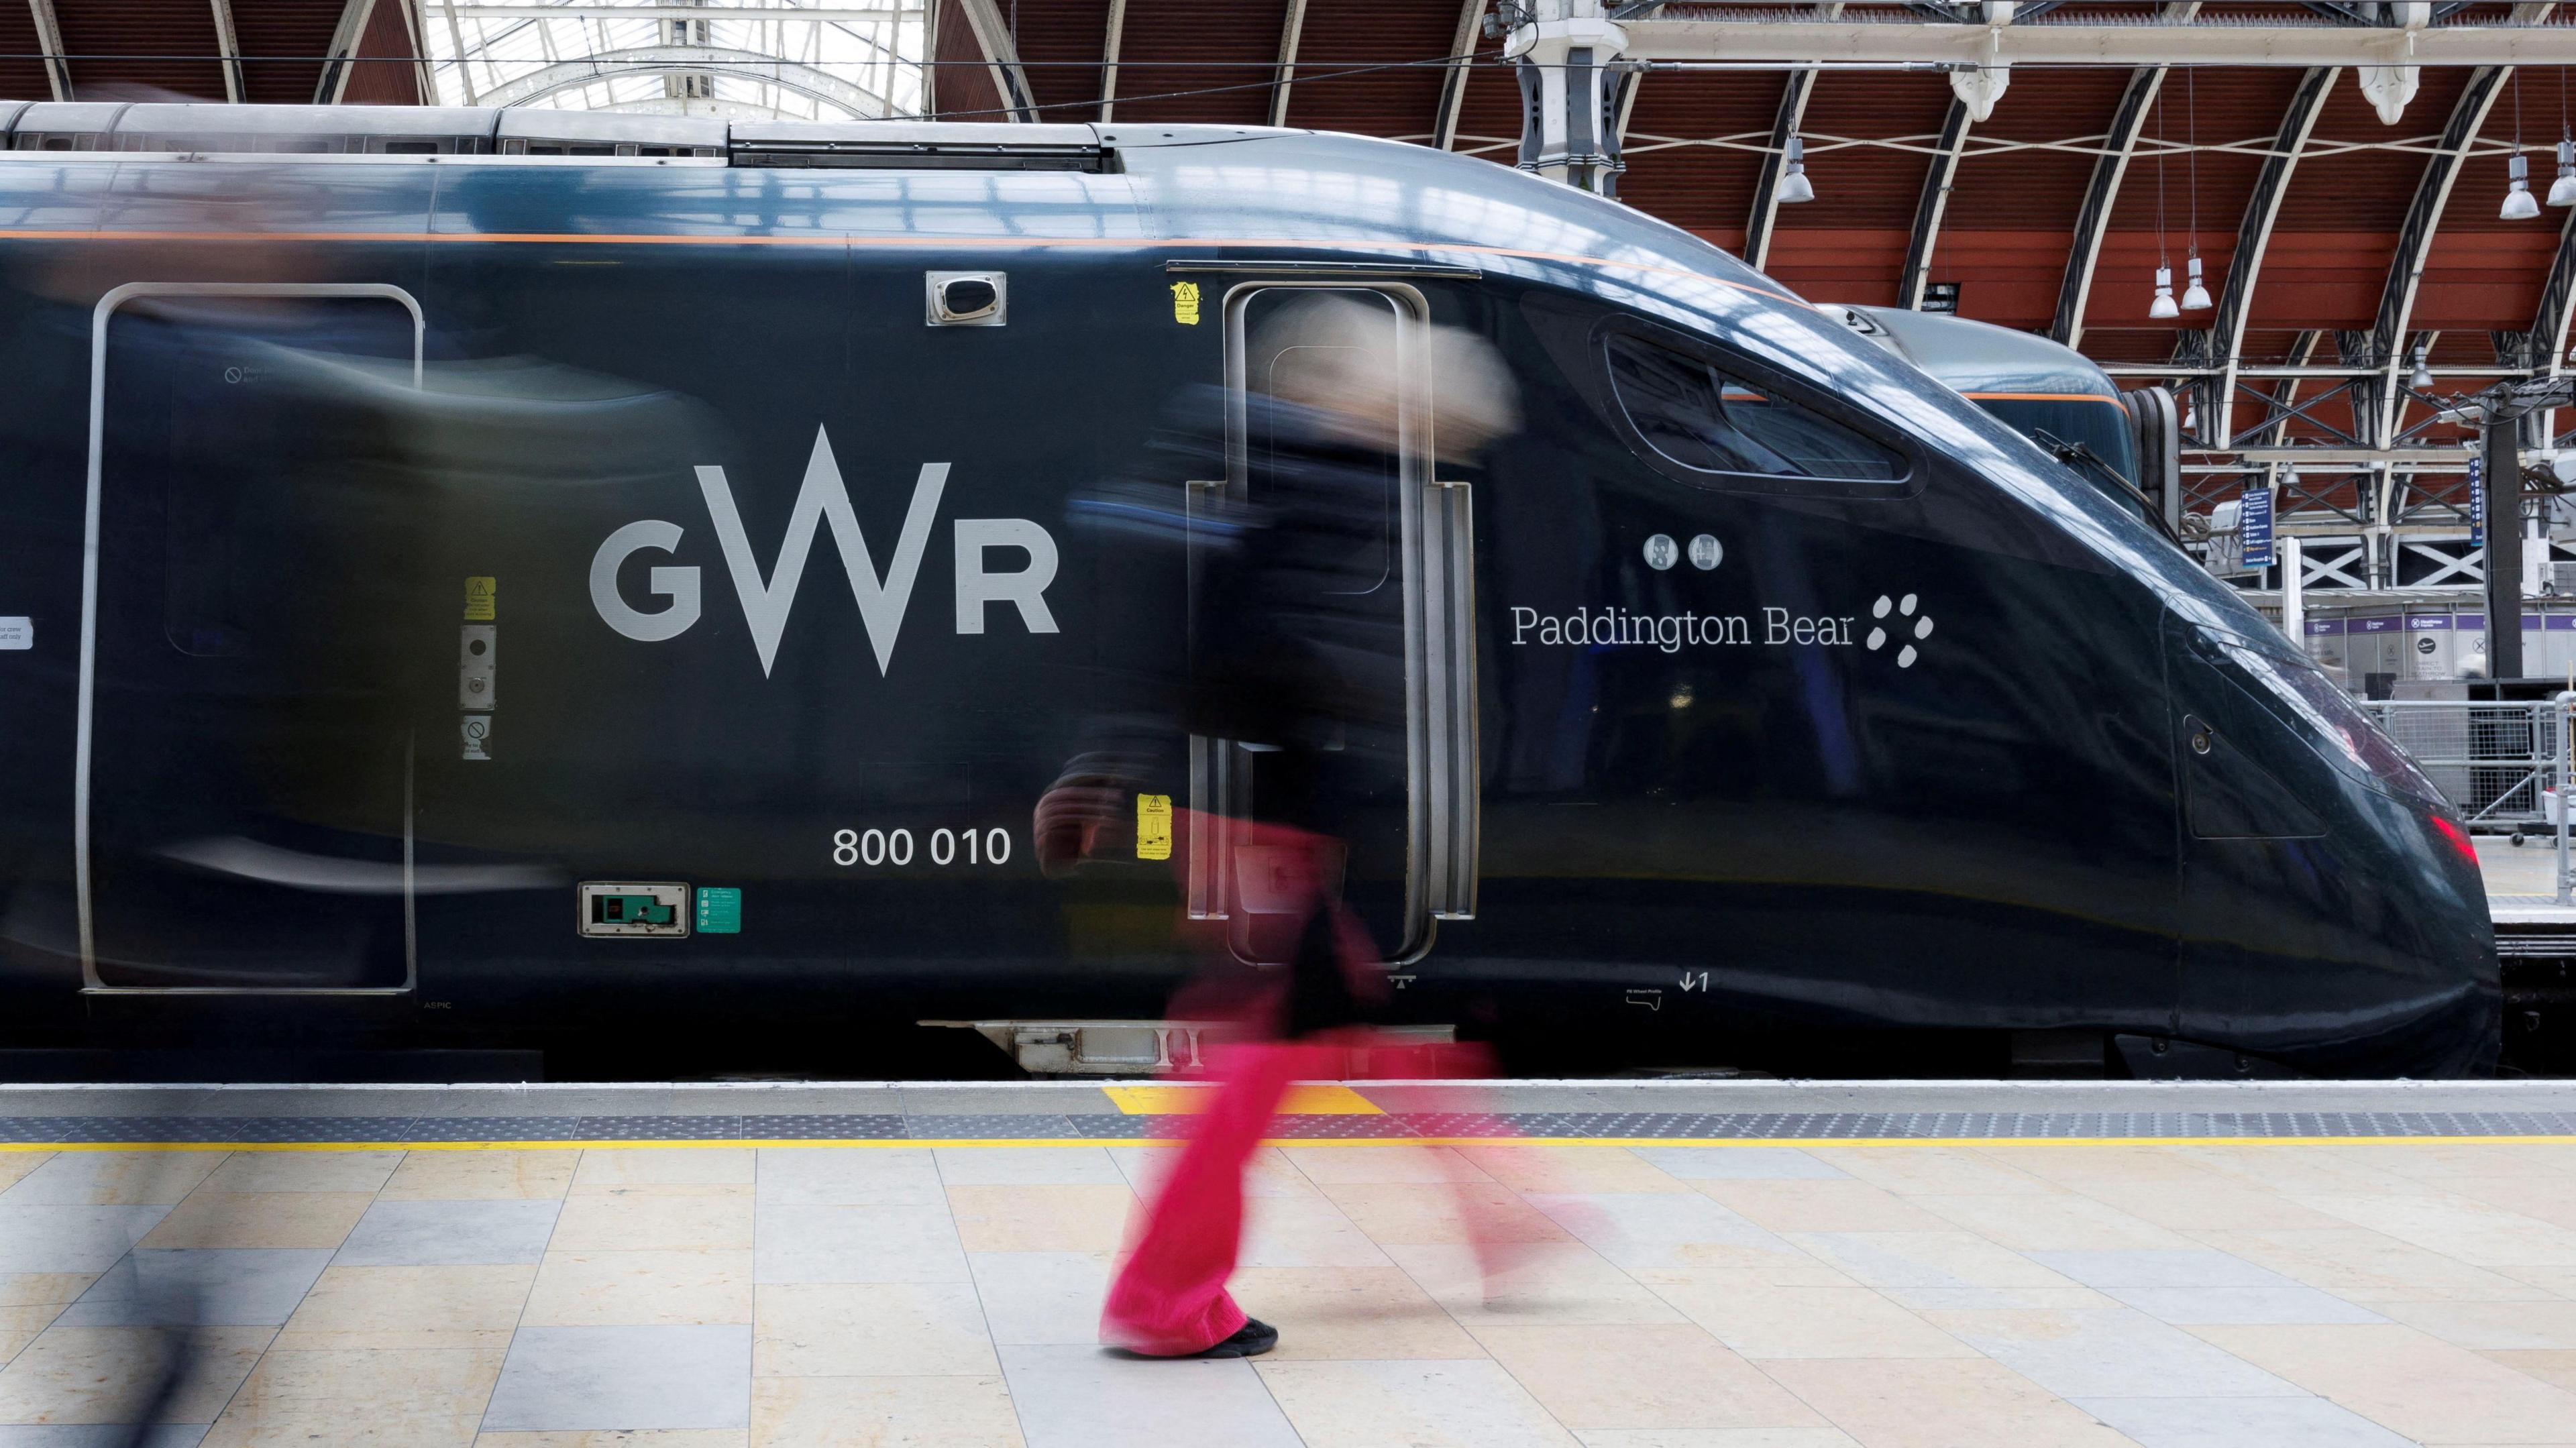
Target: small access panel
[(618, 909)]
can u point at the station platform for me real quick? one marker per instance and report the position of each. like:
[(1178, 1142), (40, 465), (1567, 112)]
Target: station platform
[(1695, 1264), (2522, 884)]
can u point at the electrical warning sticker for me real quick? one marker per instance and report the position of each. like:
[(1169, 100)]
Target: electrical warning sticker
[(480, 600), (1185, 303), (1153, 827)]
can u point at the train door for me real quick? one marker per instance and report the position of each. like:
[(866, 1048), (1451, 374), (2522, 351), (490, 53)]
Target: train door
[(1395, 598), (2252, 845), (242, 794)]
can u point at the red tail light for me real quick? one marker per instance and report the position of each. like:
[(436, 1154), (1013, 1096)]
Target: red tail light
[(2458, 837)]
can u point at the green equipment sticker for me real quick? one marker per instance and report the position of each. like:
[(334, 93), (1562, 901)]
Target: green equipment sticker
[(719, 910)]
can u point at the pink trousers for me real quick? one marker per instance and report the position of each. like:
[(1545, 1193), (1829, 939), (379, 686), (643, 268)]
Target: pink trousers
[(1169, 1300)]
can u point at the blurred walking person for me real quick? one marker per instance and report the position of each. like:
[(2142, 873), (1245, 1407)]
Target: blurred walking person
[(1298, 659)]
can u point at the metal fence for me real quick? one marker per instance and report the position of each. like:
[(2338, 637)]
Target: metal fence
[(2492, 761)]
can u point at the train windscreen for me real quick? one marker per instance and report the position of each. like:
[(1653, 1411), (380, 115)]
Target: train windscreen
[(2100, 424)]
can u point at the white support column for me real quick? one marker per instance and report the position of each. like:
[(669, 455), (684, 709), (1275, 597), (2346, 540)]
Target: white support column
[(1564, 54), (2253, 237), (1453, 86), (1933, 204), (49, 39), (416, 31), (228, 45), (1002, 54), (464, 60), (1110, 39), (2294, 606), (1291, 30), (344, 48)]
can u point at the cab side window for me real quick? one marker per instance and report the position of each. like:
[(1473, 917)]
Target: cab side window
[(1704, 421)]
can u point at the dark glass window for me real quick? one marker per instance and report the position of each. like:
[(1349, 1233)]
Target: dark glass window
[(1709, 422)]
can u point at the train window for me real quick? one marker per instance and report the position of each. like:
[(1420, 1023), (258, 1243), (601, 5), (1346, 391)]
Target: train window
[(1700, 418)]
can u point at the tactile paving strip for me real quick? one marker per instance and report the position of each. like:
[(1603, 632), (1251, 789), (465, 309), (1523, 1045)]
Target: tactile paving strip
[(1640, 1126)]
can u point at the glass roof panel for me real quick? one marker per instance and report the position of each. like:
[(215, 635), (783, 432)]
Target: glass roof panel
[(740, 58)]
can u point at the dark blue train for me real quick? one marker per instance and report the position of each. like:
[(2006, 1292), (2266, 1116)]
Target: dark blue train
[(468, 573)]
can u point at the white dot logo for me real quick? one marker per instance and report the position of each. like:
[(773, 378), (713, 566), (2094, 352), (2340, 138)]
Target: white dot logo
[(1706, 552), (1904, 609), (1662, 552)]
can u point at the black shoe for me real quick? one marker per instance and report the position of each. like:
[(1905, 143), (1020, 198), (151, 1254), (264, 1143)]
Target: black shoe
[(1252, 1339)]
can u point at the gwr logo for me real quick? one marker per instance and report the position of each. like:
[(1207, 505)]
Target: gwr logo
[(882, 600)]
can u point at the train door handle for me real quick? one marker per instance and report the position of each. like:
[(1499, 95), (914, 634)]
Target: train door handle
[(1449, 587), (1213, 762)]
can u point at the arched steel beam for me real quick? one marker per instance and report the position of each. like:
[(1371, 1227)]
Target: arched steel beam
[(2424, 218), (1453, 86), (1002, 56), (2415, 235), (464, 57), (2552, 319), (2093, 219), (2253, 234), (683, 106), (228, 48), (1292, 28), (1795, 88), (334, 81), (805, 80), (1929, 207), (2557, 311), (49, 39)]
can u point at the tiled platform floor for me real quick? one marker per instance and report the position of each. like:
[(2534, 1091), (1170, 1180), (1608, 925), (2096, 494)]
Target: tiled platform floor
[(2364, 1292)]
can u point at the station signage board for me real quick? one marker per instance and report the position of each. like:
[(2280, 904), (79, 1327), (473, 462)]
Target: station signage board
[(2254, 528)]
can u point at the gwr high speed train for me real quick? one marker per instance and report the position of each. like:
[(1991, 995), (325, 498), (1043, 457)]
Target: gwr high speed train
[(473, 568)]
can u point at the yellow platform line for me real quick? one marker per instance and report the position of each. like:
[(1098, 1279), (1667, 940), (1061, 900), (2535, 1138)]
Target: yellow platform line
[(865, 1143), (1303, 1100)]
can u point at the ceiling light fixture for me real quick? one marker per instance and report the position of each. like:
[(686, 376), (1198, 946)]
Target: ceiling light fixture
[(2195, 297), (2562, 192), (1794, 185), (2163, 308), (2519, 203)]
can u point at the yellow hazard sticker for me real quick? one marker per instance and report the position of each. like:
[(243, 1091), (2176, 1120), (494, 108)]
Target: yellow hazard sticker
[(1185, 303), (480, 600), (1153, 827)]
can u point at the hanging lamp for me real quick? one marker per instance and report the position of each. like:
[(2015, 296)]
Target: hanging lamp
[(2519, 203), (2163, 308), (2195, 297), (1794, 185)]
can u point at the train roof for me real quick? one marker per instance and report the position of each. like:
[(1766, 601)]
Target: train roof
[(1219, 199), (1980, 358)]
